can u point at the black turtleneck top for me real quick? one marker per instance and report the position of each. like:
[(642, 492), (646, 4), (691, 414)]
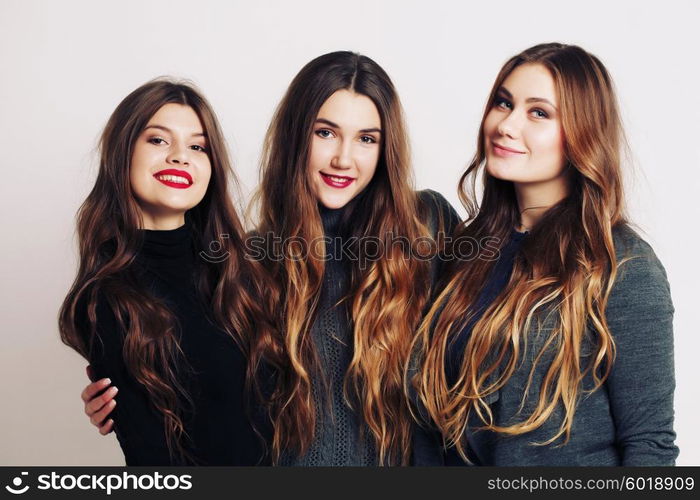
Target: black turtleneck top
[(214, 374)]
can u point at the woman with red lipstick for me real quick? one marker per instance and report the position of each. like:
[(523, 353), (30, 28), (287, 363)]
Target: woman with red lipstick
[(350, 281), (166, 323), (560, 351), (337, 178)]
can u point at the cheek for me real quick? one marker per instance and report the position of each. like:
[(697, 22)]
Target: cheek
[(490, 123), (138, 162), (206, 170), (138, 170), (368, 162), (545, 139), (319, 155), (205, 177), (548, 144)]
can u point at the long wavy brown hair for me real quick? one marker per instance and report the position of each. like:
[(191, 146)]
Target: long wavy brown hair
[(109, 238), (385, 299), (567, 266)]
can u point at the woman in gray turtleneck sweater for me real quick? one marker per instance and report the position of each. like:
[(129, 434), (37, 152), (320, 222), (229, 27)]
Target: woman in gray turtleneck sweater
[(336, 166), (340, 435)]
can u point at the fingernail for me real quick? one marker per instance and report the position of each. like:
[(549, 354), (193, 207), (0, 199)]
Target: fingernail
[(106, 381), (113, 390)]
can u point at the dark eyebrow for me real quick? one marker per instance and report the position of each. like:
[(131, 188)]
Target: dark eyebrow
[(334, 125), (327, 122), (166, 129), (370, 130), (504, 91), (540, 99), (507, 93)]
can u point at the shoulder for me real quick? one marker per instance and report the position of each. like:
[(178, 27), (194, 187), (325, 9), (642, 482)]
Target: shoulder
[(433, 199), (634, 255), (629, 243), (641, 278), (439, 212)]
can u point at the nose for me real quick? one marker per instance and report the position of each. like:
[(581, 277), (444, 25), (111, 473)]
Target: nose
[(510, 125), (343, 155), (179, 155)]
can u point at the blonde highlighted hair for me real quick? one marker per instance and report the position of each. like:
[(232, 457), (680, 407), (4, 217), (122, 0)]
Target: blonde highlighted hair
[(565, 268), (385, 299)]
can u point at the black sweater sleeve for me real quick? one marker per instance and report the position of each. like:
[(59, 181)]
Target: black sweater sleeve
[(138, 425)]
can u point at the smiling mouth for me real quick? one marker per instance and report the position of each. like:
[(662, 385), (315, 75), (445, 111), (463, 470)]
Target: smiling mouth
[(504, 151), (336, 181), (174, 178)]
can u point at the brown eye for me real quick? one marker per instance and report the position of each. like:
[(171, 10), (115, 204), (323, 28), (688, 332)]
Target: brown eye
[(503, 103), (368, 139)]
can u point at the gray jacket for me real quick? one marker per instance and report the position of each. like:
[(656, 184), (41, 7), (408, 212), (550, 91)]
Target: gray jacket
[(629, 421)]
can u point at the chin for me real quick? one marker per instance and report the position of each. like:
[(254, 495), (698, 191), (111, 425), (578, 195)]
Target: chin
[(177, 207), (496, 172), (331, 198), (333, 203), (505, 172)]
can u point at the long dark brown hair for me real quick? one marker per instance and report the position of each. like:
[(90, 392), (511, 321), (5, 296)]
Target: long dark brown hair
[(109, 238), (566, 266), (385, 299)]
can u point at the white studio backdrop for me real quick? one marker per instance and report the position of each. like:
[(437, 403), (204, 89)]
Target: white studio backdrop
[(66, 65)]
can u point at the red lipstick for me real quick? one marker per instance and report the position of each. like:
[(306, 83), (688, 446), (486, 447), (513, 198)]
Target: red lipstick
[(336, 181), (172, 183)]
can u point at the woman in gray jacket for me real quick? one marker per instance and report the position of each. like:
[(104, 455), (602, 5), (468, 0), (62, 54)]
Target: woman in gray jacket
[(557, 349)]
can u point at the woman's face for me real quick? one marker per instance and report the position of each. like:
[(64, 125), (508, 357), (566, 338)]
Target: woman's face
[(170, 167), (523, 138), (345, 148)]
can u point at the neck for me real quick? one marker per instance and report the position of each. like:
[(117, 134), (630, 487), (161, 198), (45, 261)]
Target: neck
[(534, 199), (162, 222), (331, 218)]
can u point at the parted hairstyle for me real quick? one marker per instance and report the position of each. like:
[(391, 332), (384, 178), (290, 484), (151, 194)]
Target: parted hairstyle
[(109, 237), (385, 299), (566, 266)]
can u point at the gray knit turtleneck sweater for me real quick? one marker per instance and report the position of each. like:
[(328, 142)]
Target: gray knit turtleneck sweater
[(341, 438), (337, 439)]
